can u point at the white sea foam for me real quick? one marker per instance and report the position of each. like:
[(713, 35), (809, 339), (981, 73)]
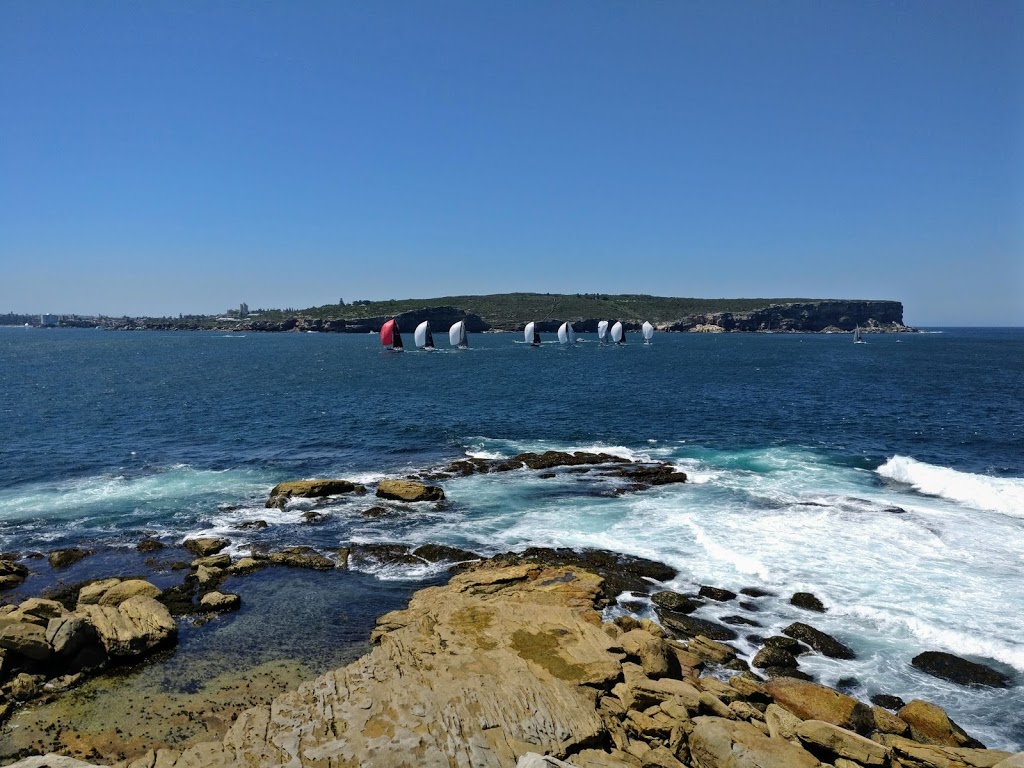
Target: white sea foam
[(995, 494)]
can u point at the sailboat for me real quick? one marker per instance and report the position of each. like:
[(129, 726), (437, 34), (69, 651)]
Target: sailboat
[(423, 338), (602, 331), (856, 336), (390, 338), (618, 334), (566, 333), (457, 335), (531, 334), (648, 330)]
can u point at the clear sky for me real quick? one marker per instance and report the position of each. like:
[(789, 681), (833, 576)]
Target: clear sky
[(183, 156)]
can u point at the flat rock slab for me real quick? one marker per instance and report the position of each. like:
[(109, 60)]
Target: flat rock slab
[(281, 492), (408, 490), (957, 670), (502, 662)]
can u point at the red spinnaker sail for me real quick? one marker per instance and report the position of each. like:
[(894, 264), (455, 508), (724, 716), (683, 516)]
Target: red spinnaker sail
[(387, 333)]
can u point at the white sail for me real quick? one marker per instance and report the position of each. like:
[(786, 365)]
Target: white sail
[(648, 331), (457, 335), (528, 332), (420, 334), (571, 333), (563, 333), (617, 333), (602, 330)]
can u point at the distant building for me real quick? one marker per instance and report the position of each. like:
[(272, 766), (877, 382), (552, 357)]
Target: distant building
[(243, 309), (49, 321)]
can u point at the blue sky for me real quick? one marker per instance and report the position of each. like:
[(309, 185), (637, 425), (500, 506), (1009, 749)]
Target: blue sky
[(166, 157)]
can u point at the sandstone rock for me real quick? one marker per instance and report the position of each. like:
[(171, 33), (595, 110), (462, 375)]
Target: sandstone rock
[(92, 593), (50, 761), (719, 743), (639, 692), (26, 639), (61, 558), (750, 689), (67, 635), (690, 626), (810, 701), (887, 722), (302, 557), (958, 670), (24, 686), (247, 565), (908, 752), (819, 641), (220, 602), (137, 626), (281, 492), (118, 593), (660, 757), (930, 724), (44, 609), (723, 691), (204, 546), (709, 650), (842, 743), (1014, 761), (437, 553), (790, 644), (807, 601), (716, 593), (686, 663), (756, 592), (593, 758), (223, 560), (407, 490), (782, 723), (207, 577), (649, 650), (673, 601), (712, 705)]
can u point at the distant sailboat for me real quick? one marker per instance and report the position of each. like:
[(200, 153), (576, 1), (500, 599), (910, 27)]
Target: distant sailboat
[(390, 338), (648, 330), (457, 335), (602, 331), (566, 333), (856, 336), (618, 334), (423, 338), (531, 334)]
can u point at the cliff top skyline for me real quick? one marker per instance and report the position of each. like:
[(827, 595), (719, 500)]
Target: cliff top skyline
[(172, 158)]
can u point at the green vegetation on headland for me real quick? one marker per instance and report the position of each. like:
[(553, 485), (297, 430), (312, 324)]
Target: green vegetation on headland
[(512, 311)]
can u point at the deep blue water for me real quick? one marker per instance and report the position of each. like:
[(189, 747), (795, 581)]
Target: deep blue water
[(888, 477)]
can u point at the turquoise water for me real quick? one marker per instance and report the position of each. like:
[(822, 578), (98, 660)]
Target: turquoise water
[(887, 478)]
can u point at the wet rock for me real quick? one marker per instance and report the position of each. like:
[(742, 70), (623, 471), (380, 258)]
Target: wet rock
[(11, 574), (756, 592), (808, 602), (253, 525), (819, 641), (740, 621), (810, 701), (746, 605), (375, 512), (907, 752), (838, 742), (281, 492), (797, 674), (62, 558), (222, 560), (302, 557), (466, 467), (220, 602), (689, 626), (546, 475), (407, 490), (888, 702), (930, 724), (136, 627), (709, 650), (247, 565), (774, 657), (202, 547), (438, 553), (716, 593), (958, 670), (26, 639), (790, 644), (551, 459), (24, 686), (311, 517), (149, 545), (120, 592), (673, 601), (179, 599), (646, 476), (717, 742)]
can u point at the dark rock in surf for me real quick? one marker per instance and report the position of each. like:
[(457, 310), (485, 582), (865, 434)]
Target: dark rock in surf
[(11, 574), (203, 547), (958, 670), (438, 553), (847, 685), (149, 545), (310, 517), (740, 621), (645, 475), (673, 601), (769, 657), (756, 592), (281, 492), (749, 606), (819, 641), (546, 475), (253, 525), (370, 555), (375, 512), (689, 626), (789, 644), (466, 467), (797, 674), (887, 701), (62, 558), (302, 557), (551, 459), (808, 602), (716, 593)]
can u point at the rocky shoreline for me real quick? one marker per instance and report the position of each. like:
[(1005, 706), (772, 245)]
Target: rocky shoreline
[(513, 660)]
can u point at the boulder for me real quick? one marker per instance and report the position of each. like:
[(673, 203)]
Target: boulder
[(716, 593), (253, 525), (92, 593), (807, 601), (930, 724), (437, 553), (709, 650), (26, 639), (42, 608), (914, 754), (638, 691), (651, 651), (312, 517), (774, 657), (11, 574), (888, 702), (118, 593), (149, 545), (782, 723), (220, 602), (136, 627), (247, 565), (887, 722), (408, 490), (62, 558), (690, 626), (790, 644), (205, 546), (838, 742), (720, 743), (958, 670), (819, 641), (223, 560), (67, 635), (302, 557), (756, 592), (24, 686), (810, 701), (673, 601), (281, 492)]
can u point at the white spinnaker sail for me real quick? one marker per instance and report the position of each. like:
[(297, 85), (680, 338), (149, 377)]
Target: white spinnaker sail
[(571, 333), (602, 330), (617, 333), (648, 331), (563, 333), (528, 332), (420, 335), (457, 335)]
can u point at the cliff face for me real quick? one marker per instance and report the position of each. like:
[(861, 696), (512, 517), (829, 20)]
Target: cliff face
[(806, 317)]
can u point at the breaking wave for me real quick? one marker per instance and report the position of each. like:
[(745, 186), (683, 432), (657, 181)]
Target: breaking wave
[(995, 494)]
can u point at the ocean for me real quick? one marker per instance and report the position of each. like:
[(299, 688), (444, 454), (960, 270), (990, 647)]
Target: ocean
[(887, 478)]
